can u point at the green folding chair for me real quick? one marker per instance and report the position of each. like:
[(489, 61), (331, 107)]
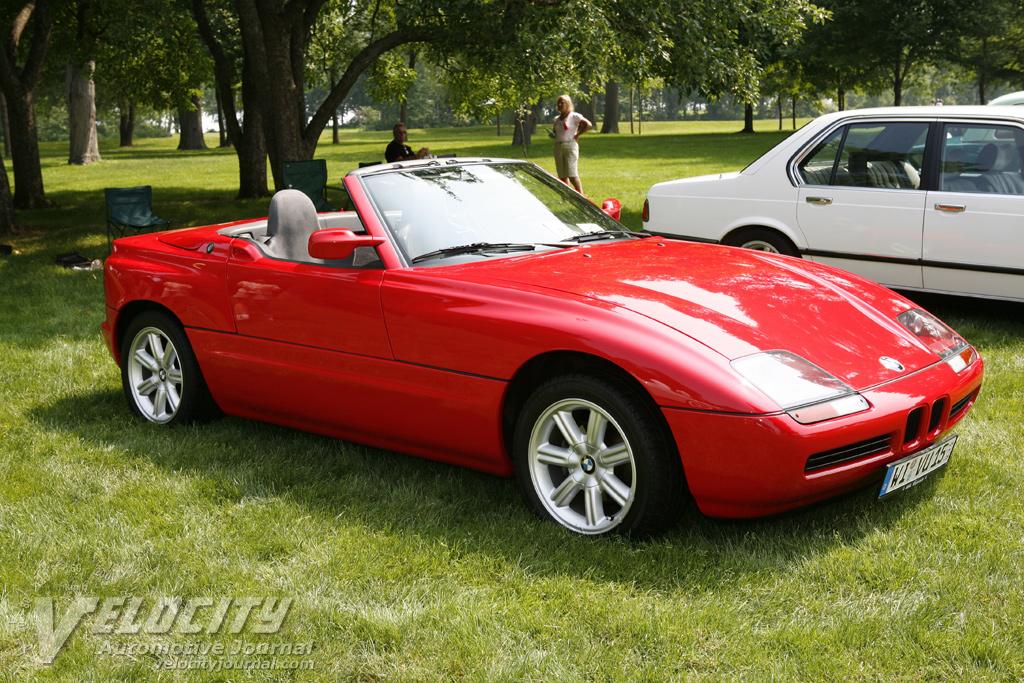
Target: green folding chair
[(130, 212), (310, 178)]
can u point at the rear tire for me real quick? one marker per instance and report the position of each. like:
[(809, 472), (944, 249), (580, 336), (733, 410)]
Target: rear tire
[(595, 457), (763, 239), (160, 374)]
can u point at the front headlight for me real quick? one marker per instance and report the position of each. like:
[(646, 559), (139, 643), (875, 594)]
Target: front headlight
[(802, 389), (938, 337)]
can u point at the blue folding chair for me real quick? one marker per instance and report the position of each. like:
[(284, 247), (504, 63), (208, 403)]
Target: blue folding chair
[(130, 212)]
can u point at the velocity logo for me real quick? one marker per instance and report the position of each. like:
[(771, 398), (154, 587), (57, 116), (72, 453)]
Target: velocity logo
[(133, 616)]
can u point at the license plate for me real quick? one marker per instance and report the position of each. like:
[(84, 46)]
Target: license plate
[(912, 470)]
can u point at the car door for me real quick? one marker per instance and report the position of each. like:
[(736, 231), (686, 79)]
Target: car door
[(860, 201), (307, 304), (310, 337), (974, 218)]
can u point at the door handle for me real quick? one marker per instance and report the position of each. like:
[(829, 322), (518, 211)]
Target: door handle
[(819, 200), (955, 208)]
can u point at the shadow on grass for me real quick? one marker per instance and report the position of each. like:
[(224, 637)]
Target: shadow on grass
[(337, 482)]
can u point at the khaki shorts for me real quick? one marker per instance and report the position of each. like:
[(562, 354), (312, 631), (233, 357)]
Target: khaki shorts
[(567, 156)]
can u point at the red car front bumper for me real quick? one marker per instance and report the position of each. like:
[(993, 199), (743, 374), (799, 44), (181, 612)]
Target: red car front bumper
[(750, 466)]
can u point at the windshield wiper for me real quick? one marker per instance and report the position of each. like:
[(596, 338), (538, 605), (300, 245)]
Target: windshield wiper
[(474, 248), (604, 235)]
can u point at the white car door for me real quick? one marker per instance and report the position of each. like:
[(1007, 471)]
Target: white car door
[(974, 221), (860, 204)]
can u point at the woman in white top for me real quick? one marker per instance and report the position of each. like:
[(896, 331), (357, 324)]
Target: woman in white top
[(569, 126)]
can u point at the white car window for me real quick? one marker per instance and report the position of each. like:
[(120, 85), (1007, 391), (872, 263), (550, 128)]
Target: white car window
[(876, 154), (982, 158)]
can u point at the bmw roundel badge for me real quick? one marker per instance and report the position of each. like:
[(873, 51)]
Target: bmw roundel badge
[(891, 363)]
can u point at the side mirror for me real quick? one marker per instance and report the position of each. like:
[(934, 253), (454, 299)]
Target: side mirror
[(612, 207), (334, 244)]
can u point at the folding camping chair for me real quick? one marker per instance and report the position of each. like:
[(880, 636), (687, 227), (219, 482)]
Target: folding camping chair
[(129, 212), (310, 177)]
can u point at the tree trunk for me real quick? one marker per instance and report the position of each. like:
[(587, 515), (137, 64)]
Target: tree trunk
[(252, 158), (403, 114), (631, 110), (5, 121), (748, 118), (611, 108), (780, 111), (225, 139), (640, 111), (897, 85), (521, 131), (8, 221), (586, 106), (127, 122), (19, 85), (81, 101), (671, 98), (982, 70), (251, 146), (28, 171), (794, 111), (247, 136), (190, 121)]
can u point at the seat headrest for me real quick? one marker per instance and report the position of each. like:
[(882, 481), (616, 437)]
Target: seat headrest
[(289, 208), (993, 157), (292, 219)]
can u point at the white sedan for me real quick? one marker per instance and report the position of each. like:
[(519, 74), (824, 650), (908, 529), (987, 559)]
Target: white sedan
[(917, 198)]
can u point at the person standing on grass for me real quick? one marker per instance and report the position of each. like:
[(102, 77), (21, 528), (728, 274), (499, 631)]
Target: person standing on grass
[(569, 126)]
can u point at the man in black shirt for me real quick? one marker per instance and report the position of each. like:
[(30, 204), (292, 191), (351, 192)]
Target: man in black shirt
[(399, 151)]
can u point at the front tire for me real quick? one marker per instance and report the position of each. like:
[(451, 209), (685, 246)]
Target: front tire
[(160, 374), (595, 458)]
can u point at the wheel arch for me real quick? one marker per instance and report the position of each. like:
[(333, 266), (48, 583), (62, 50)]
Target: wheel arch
[(130, 312), (736, 233), (541, 368)]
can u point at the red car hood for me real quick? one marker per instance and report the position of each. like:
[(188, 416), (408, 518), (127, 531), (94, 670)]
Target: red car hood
[(737, 302)]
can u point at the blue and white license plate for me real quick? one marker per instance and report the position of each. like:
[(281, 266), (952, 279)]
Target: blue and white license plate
[(913, 469)]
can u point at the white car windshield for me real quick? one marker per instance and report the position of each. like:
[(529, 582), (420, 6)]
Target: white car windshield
[(480, 210)]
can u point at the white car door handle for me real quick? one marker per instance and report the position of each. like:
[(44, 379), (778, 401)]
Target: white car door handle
[(819, 200), (956, 208)]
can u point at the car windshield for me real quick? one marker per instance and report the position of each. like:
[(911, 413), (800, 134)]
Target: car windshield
[(482, 210)]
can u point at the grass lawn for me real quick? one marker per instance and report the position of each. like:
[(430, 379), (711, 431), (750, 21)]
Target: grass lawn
[(400, 569)]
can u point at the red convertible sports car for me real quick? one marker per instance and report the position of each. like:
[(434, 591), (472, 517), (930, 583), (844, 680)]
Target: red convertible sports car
[(481, 313)]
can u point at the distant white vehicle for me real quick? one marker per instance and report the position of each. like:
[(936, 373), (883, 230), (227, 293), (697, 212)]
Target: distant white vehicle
[(917, 198), (1009, 98)]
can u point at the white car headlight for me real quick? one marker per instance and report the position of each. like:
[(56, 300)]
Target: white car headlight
[(938, 337), (802, 389)]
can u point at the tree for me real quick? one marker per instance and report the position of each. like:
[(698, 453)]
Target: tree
[(234, 71), (190, 123), (833, 58), (84, 146), (990, 45), (610, 120), (8, 220), (880, 43), (19, 76), (152, 55)]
